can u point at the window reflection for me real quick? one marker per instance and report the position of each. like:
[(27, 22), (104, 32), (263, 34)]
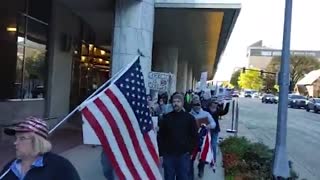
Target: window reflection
[(19, 68), (37, 32), (34, 73)]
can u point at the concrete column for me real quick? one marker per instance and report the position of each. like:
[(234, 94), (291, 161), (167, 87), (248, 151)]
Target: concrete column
[(165, 59), (182, 75), (189, 76), (60, 62), (133, 32)]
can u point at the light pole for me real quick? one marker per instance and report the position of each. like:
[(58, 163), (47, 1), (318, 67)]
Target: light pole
[(281, 163)]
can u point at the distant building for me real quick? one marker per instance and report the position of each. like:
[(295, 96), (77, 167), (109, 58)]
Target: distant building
[(310, 84), (260, 56)]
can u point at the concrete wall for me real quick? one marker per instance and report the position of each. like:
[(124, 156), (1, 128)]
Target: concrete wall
[(60, 62), (13, 111)]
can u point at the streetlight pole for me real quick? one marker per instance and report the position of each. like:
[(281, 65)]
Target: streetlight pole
[(281, 163)]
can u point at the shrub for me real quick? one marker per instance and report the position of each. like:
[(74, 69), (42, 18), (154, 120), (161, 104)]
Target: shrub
[(249, 161)]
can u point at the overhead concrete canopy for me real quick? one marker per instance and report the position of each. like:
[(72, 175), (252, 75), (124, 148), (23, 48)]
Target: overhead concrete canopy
[(200, 28)]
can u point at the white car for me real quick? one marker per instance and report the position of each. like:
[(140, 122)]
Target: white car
[(255, 95)]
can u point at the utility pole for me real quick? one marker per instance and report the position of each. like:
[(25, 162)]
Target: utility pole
[(281, 164)]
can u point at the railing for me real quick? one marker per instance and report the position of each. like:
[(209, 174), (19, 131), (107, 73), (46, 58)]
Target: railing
[(234, 118)]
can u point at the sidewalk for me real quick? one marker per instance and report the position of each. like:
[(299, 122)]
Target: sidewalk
[(225, 124), (86, 159)]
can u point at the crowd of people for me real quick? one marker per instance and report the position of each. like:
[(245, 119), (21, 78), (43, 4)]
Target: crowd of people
[(179, 131), (178, 135)]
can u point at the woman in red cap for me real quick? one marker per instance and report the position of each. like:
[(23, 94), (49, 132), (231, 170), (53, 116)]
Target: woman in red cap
[(34, 160)]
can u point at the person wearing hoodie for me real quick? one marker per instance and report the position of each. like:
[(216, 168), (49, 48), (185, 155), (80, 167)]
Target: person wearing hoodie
[(199, 114)]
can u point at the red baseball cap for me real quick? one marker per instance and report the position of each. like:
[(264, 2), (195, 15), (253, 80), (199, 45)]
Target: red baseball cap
[(30, 124)]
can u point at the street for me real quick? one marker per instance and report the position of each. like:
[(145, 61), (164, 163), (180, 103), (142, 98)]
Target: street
[(303, 133)]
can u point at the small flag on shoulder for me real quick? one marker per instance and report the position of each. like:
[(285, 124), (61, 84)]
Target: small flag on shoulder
[(119, 116)]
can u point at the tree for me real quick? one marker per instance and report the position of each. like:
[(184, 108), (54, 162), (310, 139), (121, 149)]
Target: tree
[(234, 78), (250, 80), (299, 67)]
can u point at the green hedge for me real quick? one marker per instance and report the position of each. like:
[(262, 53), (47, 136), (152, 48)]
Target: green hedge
[(245, 160)]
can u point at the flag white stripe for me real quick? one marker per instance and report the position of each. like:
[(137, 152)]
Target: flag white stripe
[(128, 109), (111, 139), (153, 137), (125, 135)]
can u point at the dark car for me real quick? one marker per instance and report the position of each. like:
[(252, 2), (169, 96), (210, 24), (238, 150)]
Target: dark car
[(313, 104), (248, 94), (269, 98), (297, 101)]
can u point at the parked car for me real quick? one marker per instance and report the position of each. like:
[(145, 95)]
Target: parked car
[(269, 98), (297, 101), (235, 94), (313, 104), (248, 94), (255, 95)]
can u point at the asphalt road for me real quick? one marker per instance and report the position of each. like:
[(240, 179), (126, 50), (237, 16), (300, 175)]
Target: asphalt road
[(303, 140)]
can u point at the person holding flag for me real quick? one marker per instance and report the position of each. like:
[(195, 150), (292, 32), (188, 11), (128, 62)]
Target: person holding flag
[(34, 159), (205, 123)]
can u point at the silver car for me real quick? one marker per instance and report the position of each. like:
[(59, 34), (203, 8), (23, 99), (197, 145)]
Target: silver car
[(313, 104)]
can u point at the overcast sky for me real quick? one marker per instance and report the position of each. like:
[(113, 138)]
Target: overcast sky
[(263, 20)]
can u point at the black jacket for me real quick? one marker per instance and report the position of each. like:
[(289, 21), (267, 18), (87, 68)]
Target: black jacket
[(55, 168), (177, 133)]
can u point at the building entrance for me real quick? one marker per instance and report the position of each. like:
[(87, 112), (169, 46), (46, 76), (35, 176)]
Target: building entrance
[(90, 69)]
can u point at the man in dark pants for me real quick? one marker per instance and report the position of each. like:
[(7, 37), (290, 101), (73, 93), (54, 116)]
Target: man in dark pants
[(177, 137)]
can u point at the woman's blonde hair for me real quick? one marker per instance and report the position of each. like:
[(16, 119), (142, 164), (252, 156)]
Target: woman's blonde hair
[(40, 145)]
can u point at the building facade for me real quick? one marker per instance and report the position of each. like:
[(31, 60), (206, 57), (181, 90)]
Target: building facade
[(260, 56), (55, 53)]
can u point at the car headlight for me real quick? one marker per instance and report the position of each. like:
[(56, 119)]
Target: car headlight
[(294, 101)]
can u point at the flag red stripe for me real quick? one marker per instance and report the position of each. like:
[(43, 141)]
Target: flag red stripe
[(152, 149), (205, 149), (103, 139), (117, 134), (132, 133)]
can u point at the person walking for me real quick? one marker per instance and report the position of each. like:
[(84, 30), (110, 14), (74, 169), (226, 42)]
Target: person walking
[(177, 137), (34, 159), (215, 113), (200, 114)]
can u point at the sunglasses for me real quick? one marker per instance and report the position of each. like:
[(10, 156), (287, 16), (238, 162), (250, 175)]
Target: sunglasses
[(196, 104)]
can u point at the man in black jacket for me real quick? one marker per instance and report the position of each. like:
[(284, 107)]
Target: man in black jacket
[(177, 137)]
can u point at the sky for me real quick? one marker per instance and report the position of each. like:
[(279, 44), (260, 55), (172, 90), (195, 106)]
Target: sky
[(263, 20)]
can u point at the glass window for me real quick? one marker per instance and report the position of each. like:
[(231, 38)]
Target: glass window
[(36, 33), (34, 73), (19, 68)]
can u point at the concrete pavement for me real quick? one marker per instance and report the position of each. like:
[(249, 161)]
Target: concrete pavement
[(258, 122), (86, 159)]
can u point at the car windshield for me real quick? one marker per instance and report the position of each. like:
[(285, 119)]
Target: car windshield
[(297, 97), (317, 100)]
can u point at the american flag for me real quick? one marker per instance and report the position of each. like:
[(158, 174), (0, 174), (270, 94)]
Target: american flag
[(120, 118), (204, 150)]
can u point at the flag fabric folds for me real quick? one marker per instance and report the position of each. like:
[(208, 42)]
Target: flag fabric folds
[(204, 150), (119, 116)]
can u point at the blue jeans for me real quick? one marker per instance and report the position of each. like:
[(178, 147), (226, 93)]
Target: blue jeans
[(107, 168), (214, 144), (176, 166)]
